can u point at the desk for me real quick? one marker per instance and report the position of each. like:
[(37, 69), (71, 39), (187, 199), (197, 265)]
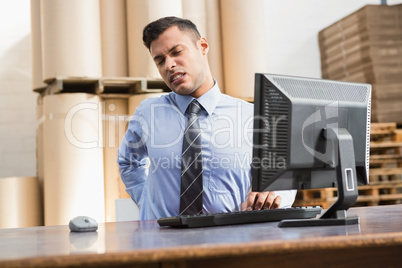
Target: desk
[(375, 242)]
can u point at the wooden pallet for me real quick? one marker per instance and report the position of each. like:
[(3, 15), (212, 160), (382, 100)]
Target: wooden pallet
[(375, 194), (385, 174), (315, 197), (380, 129), (381, 193), (385, 152), (105, 86)]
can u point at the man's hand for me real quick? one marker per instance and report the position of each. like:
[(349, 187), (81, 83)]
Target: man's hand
[(261, 200)]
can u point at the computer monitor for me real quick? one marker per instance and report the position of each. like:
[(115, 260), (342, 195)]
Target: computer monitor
[(311, 133)]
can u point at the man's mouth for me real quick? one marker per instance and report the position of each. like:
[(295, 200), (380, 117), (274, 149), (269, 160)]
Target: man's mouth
[(176, 77)]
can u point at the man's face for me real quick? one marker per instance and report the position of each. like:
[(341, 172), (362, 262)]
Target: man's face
[(181, 63)]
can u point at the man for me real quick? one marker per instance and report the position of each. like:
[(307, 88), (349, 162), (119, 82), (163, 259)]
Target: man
[(150, 156)]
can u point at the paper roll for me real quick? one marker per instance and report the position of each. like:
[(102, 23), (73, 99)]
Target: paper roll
[(73, 153), (36, 45), (135, 100), (243, 45), (20, 202), (139, 14), (39, 142), (214, 38), (71, 42), (206, 15), (115, 126), (114, 38), (195, 10)]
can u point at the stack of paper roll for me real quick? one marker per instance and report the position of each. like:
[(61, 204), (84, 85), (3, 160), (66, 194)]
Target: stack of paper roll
[(73, 157), (195, 10), (71, 38), (20, 202), (214, 38), (36, 45), (206, 15), (244, 46), (140, 13), (39, 141), (104, 38), (114, 38), (115, 125)]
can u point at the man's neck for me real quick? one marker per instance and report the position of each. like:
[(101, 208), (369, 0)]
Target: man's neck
[(205, 87)]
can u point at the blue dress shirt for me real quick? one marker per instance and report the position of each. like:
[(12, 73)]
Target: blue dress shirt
[(149, 157)]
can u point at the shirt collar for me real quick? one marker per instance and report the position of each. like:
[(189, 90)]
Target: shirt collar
[(208, 100)]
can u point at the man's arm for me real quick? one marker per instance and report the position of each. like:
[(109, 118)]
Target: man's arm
[(132, 159)]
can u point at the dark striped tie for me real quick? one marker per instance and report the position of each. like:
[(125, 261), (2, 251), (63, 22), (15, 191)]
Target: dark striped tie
[(191, 165)]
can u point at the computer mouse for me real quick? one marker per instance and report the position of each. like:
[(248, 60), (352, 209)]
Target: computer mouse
[(83, 224)]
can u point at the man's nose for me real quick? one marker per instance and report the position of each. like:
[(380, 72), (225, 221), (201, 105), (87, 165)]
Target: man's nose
[(170, 63)]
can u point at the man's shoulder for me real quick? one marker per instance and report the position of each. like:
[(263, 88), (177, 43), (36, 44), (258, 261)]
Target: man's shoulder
[(230, 100), (155, 99)]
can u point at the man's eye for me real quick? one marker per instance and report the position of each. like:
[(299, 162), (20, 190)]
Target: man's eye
[(160, 62), (176, 52)]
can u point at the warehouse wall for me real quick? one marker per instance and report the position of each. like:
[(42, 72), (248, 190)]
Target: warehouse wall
[(17, 101), (291, 29)]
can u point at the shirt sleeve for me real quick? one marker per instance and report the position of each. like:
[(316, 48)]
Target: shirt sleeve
[(288, 198), (132, 157)]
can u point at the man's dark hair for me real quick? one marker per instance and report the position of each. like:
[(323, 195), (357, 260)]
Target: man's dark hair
[(152, 31)]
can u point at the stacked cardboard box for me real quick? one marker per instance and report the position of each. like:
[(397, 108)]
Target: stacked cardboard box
[(366, 46)]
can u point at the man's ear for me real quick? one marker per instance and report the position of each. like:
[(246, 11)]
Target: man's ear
[(204, 45)]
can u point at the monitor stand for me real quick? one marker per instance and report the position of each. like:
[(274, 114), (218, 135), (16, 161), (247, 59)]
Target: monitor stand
[(346, 182)]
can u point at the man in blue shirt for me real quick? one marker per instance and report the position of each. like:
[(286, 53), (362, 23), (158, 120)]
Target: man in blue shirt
[(149, 157)]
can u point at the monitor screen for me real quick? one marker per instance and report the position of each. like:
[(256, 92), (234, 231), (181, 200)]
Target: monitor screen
[(311, 133)]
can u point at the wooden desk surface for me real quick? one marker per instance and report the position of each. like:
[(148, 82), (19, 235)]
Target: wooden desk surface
[(375, 242)]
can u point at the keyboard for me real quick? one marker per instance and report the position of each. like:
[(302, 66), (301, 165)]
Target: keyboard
[(240, 217)]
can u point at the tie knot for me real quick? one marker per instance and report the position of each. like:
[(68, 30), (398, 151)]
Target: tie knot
[(194, 107)]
